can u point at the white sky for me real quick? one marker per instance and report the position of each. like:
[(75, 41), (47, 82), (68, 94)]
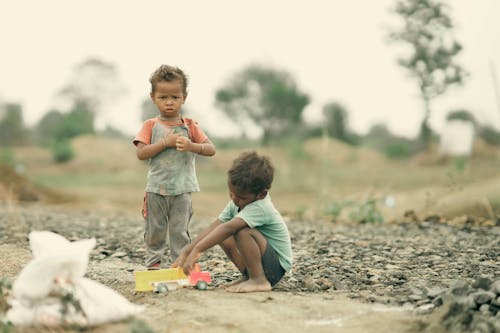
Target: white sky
[(335, 49)]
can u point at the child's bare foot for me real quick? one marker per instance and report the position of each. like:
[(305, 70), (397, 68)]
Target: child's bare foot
[(235, 282), (250, 286)]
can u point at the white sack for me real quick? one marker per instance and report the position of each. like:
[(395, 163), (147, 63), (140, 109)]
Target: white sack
[(57, 268)]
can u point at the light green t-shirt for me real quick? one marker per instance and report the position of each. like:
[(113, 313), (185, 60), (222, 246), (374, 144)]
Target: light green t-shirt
[(263, 216)]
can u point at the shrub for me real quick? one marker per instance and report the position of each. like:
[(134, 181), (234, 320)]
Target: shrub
[(398, 150), (62, 151)]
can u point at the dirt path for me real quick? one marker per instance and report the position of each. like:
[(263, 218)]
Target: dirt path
[(215, 310), (219, 311)]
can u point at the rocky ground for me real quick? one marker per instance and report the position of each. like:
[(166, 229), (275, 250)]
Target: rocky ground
[(448, 274)]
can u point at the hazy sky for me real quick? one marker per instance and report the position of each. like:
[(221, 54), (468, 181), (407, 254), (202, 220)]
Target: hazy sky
[(335, 49)]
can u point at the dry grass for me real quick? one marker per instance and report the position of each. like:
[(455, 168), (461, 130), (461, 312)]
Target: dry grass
[(106, 174)]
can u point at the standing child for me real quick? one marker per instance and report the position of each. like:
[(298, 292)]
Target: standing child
[(170, 143), (250, 230)]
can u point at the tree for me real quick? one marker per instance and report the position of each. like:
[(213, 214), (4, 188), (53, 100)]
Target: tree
[(380, 138), (80, 120), (148, 109), (337, 123), (48, 126), (12, 129), (57, 126), (266, 96), (93, 84), (461, 114), (336, 120), (428, 31)]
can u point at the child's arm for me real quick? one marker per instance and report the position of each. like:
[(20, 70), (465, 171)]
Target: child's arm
[(205, 148), (145, 152), (215, 234), (186, 250)]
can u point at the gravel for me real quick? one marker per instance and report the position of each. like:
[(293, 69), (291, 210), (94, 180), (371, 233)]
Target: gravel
[(448, 273)]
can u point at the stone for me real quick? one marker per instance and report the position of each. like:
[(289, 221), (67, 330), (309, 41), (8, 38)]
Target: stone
[(482, 297)]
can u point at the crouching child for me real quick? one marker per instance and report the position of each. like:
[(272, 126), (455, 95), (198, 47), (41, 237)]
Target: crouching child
[(250, 230)]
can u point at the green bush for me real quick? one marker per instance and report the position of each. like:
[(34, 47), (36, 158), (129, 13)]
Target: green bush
[(367, 212), (62, 151), (490, 135), (398, 150)]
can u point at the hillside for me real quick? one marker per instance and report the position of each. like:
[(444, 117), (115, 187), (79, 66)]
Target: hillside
[(313, 180)]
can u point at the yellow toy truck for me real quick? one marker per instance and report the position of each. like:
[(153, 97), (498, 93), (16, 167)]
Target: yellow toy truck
[(163, 280)]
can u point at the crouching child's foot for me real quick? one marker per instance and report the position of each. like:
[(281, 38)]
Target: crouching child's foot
[(250, 286), (235, 282)]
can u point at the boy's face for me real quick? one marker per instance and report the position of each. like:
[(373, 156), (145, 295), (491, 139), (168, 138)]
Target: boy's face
[(168, 98), (241, 199)]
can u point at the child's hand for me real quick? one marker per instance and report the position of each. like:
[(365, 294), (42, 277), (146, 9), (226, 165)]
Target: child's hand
[(170, 139), (183, 143), (190, 261), (180, 260)]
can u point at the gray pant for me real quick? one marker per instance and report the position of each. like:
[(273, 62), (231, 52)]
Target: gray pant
[(166, 213)]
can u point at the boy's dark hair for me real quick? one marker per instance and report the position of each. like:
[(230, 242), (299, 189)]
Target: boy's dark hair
[(168, 73), (251, 173)]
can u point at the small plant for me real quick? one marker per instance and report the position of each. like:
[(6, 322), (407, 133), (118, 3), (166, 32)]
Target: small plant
[(361, 212), (5, 289), (335, 208), (397, 150), (460, 164), (62, 151), (367, 212), (6, 327), (454, 175)]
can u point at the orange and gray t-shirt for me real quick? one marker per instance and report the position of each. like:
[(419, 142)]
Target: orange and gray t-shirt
[(171, 172)]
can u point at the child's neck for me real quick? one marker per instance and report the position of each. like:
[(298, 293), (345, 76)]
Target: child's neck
[(171, 119)]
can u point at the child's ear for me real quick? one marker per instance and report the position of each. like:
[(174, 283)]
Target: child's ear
[(262, 194)]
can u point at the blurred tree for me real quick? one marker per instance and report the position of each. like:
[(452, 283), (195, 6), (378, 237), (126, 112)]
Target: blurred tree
[(379, 130), (489, 134), (80, 120), (266, 96), (428, 31), (12, 129), (461, 114), (379, 137), (62, 151), (93, 84), (57, 126), (336, 120), (148, 109), (48, 126), (337, 123)]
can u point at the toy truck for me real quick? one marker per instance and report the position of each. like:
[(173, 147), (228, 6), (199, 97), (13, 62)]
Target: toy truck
[(171, 278)]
